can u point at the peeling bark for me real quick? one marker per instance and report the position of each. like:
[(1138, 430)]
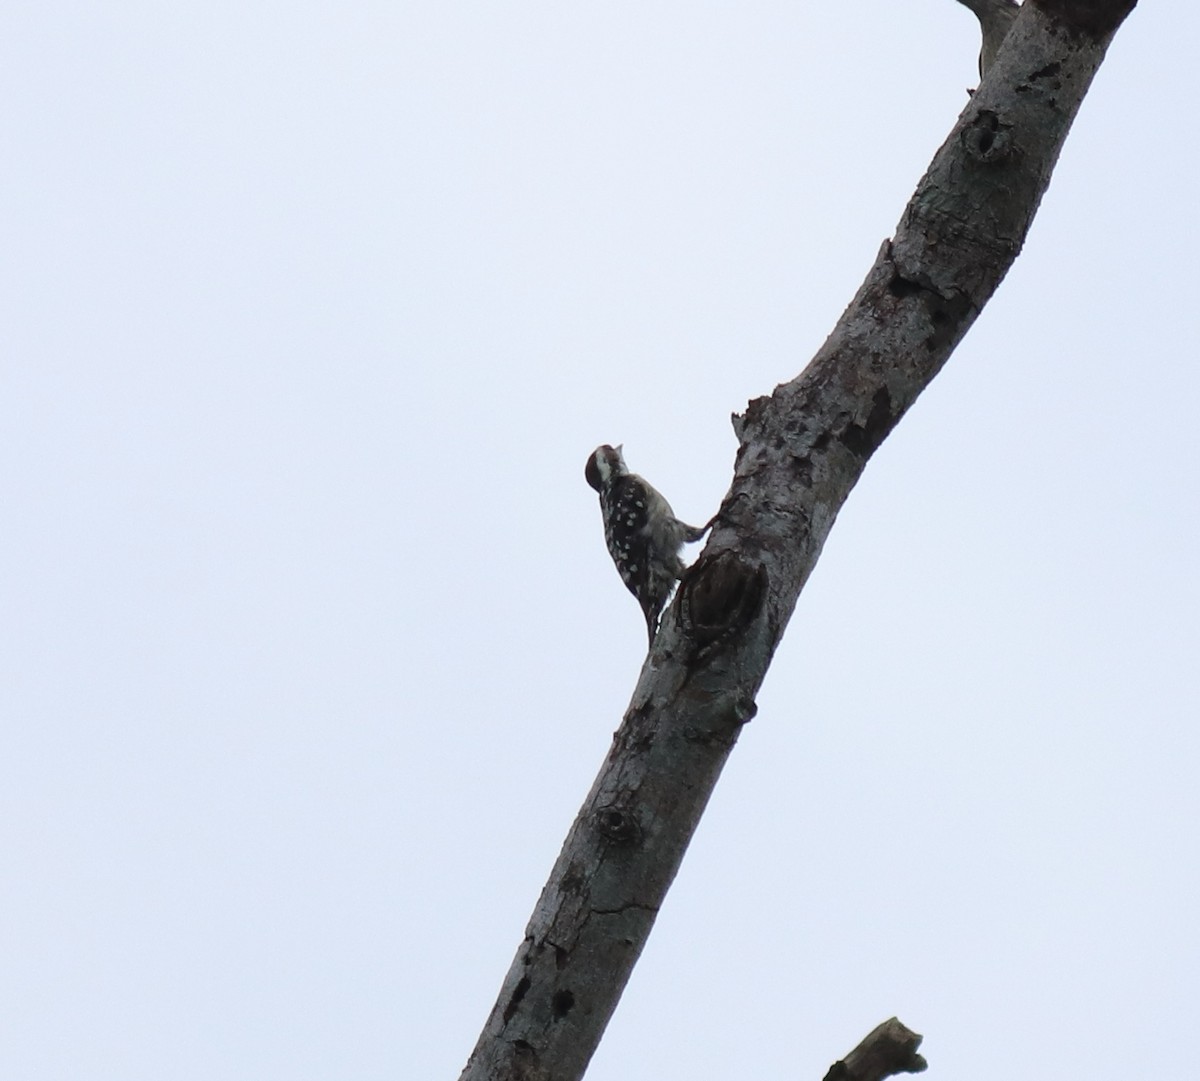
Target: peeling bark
[(802, 449)]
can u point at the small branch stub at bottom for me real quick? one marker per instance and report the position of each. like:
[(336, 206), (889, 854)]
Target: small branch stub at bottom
[(890, 1049)]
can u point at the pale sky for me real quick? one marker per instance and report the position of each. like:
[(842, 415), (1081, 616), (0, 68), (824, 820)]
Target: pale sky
[(311, 316)]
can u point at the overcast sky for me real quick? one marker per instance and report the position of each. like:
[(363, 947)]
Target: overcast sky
[(312, 313)]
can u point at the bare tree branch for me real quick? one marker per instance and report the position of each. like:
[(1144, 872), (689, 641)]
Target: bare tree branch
[(890, 1048), (802, 450)]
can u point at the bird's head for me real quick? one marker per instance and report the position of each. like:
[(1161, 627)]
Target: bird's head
[(604, 463)]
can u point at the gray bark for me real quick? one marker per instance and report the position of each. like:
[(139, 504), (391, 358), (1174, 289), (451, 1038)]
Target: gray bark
[(801, 452)]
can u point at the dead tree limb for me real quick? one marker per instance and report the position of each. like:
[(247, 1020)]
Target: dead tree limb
[(801, 452)]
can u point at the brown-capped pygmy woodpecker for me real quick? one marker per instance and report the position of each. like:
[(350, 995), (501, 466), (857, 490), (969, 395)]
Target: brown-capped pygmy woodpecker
[(642, 533)]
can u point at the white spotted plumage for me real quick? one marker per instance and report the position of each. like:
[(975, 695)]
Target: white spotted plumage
[(641, 531)]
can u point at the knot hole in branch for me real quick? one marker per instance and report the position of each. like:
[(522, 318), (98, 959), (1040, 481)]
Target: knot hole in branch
[(986, 139), (720, 596), (617, 825)]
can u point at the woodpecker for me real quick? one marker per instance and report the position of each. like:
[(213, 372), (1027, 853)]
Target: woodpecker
[(641, 531), (995, 19)]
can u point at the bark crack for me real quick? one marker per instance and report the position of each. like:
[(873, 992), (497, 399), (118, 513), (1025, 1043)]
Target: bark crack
[(620, 910)]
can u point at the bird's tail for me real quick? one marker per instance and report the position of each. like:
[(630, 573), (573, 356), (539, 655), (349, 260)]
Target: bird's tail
[(652, 611)]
